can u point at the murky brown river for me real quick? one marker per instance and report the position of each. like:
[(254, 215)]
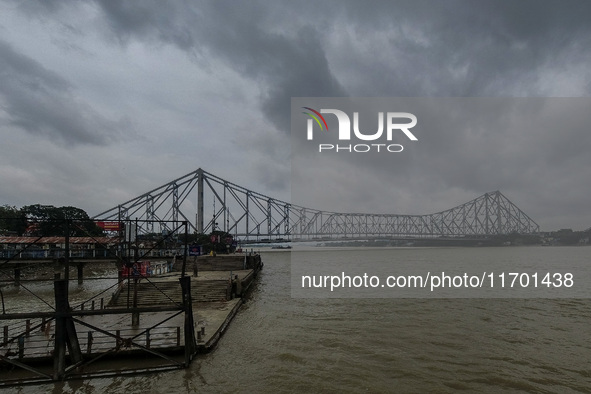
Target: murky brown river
[(282, 344)]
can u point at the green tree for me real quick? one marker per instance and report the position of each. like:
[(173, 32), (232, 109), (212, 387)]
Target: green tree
[(12, 220), (48, 220)]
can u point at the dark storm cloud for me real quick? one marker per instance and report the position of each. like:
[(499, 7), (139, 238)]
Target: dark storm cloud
[(284, 63), (456, 48), (462, 48), (378, 48), (42, 102)]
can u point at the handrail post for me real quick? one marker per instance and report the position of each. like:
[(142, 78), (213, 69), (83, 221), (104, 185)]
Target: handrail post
[(190, 344)]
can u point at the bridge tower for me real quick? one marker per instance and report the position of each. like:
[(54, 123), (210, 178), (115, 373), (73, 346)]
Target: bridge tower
[(200, 215)]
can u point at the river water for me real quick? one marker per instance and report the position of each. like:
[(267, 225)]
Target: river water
[(278, 343)]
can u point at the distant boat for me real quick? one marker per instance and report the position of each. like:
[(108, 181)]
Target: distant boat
[(281, 247)]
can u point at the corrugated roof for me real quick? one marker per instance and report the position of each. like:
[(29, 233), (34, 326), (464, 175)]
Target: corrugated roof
[(58, 240)]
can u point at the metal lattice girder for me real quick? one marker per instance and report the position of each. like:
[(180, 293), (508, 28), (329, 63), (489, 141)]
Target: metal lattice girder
[(164, 203), (247, 214)]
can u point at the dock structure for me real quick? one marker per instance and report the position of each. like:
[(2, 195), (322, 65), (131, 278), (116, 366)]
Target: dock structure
[(140, 323)]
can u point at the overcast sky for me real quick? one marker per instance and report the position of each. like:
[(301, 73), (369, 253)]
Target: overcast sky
[(101, 101)]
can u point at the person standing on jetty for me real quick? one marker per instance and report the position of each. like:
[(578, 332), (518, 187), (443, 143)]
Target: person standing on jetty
[(236, 287)]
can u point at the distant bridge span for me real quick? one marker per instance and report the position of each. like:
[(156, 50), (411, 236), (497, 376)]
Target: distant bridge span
[(207, 202)]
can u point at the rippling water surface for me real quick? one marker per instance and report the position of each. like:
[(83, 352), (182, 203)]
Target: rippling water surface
[(279, 344)]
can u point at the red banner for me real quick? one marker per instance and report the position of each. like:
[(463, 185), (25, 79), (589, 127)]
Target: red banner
[(109, 226)]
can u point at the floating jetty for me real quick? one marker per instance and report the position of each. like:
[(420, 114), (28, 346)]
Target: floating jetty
[(144, 323)]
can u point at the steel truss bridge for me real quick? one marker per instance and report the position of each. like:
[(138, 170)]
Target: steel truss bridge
[(252, 216)]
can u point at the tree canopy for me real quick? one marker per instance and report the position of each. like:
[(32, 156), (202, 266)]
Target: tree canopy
[(12, 220), (47, 220)]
